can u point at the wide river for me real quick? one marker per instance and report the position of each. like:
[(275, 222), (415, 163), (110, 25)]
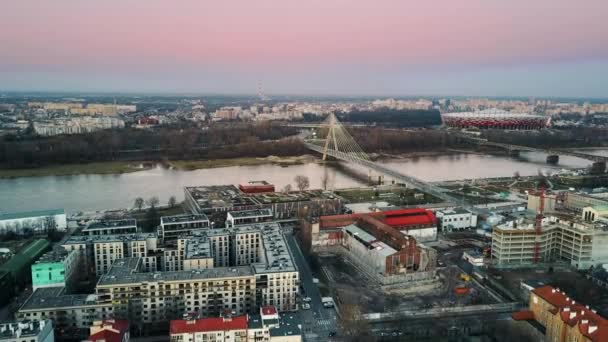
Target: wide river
[(98, 192)]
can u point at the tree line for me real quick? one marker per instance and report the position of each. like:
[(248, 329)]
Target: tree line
[(217, 141)]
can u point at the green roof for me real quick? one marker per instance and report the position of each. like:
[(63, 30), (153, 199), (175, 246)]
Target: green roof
[(22, 260), (26, 214)]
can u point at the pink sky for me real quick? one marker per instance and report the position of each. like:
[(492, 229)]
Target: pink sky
[(75, 36)]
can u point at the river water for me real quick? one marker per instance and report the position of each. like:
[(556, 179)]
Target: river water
[(98, 192)]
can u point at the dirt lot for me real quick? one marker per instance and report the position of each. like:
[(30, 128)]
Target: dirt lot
[(343, 280)]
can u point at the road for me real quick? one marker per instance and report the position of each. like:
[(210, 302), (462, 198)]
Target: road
[(319, 321)]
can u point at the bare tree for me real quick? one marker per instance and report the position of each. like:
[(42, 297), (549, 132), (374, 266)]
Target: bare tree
[(302, 182), (172, 202), (354, 326), (152, 202), (286, 188), (139, 203), (324, 179), (49, 224)]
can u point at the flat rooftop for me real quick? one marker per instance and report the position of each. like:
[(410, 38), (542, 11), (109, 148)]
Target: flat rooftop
[(251, 213), (278, 257), (222, 196), (289, 325), (121, 275), (80, 239), (22, 329), (183, 218), (55, 297), (198, 247), (106, 224), (58, 255)]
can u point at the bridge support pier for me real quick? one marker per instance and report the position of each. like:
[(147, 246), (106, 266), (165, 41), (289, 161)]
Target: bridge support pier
[(598, 168), (552, 159)]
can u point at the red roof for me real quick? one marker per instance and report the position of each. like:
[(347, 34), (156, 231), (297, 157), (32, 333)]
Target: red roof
[(573, 313), (208, 324), (107, 336), (409, 217), (525, 315), (393, 218), (269, 310)]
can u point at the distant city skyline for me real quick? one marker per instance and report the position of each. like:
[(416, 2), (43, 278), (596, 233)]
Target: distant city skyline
[(344, 48)]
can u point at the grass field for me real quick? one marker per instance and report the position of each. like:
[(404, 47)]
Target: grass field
[(78, 169)]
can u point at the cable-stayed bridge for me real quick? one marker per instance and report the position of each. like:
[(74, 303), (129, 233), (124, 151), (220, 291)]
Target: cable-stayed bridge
[(341, 145)]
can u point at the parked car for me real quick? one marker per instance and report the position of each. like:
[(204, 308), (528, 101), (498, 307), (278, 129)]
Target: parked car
[(305, 306), (307, 299)]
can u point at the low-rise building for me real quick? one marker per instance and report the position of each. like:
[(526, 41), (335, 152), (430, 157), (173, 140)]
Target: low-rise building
[(235, 218), (171, 227), (111, 227), (267, 325), (33, 221), (55, 268), (456, 219), (27, 331), (109, 330)]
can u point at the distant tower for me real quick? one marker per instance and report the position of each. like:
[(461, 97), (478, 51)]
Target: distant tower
[(261, 95)]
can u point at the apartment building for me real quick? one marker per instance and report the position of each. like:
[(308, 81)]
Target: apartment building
[(127, 290), (98, 252), (69, 313), (267, 325), (236, 246), (563, 319), (27, 331), (562, 239), (171, 227), (55, 268), (111, 227)]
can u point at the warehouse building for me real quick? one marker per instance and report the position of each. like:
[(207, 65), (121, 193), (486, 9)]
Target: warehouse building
[(34, 221), (456, 219)]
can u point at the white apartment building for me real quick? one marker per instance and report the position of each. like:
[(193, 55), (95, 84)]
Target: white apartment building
[(171, 227), (98, 252), (27, 331), (127, 291), (76, 125), (58, 268), (67, 312), (580, 244), (455, 219)]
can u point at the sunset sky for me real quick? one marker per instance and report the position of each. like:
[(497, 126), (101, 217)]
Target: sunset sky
[(313, 47)]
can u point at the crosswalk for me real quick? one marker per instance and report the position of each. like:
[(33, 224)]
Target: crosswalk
[(324, 322)]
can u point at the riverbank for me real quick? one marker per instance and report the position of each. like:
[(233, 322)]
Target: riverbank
[(190, 165), (102, 168), (108, 168)]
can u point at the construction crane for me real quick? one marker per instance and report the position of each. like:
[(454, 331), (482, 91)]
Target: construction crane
[(538, 225)]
